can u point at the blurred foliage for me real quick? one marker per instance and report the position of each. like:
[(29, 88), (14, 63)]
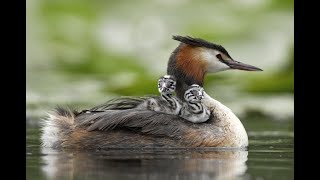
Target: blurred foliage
[(281, 81), (284, 4), (140, 87), (98, 63), (124, 45)]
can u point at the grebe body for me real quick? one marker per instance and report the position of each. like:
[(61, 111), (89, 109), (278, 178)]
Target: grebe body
[(129, 123)]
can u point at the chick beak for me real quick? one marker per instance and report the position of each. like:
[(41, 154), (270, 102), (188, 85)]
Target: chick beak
[(241, 66)]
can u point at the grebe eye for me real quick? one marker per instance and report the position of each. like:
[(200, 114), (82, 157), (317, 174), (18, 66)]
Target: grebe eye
[(219, 56)]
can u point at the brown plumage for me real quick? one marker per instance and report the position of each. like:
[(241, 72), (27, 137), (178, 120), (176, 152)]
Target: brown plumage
[(189, 61)]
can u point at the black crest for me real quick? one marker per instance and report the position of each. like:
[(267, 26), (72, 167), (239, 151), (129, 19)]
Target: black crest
[(200, 43)]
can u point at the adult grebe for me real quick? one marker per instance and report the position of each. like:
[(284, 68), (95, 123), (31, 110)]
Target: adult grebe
[(124, 123)]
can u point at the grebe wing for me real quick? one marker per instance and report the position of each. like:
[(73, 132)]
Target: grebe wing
[(124, 113), (121, 103), (144, 121), (155, 124)]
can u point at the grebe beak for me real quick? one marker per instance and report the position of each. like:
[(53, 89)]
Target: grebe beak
[(241, 66)]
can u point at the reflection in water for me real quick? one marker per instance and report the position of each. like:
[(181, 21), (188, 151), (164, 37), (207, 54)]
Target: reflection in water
[(146, 164)]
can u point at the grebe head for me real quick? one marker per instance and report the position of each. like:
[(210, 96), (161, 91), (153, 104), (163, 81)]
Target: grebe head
[(195, 57), (212, 57)]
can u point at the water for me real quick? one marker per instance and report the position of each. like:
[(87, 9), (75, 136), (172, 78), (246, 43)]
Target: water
[(269, 156)]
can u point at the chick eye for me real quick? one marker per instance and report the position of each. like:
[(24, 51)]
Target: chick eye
[(219, 56)]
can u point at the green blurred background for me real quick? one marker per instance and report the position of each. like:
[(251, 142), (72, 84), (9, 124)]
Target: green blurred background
[(83, 53)]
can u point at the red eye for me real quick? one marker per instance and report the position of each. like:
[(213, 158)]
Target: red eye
[(219, 56)]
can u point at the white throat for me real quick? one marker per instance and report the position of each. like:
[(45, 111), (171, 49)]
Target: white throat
[(214, 64)]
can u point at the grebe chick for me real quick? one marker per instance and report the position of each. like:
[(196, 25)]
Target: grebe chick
[(190, 108), (193, 109), (122, 123)]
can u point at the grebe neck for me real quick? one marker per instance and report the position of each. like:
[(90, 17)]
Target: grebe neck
[(184, 64)]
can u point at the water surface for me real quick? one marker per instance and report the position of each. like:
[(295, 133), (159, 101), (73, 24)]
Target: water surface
[(269, 156)]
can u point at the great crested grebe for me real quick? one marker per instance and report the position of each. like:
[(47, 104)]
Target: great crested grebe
[(129, 122)]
